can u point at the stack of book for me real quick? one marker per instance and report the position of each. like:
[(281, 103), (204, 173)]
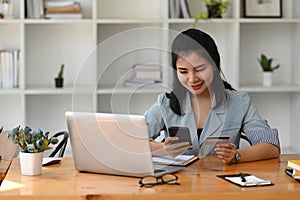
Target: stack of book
[(295, 166), (145, 74), (9, 69), (34, 9), (179, 9), (62, 10)]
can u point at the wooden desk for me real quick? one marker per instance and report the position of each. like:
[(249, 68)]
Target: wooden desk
[(8, 150), (198, 181)]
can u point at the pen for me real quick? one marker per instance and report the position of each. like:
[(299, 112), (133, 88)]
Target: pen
[(243, 177)]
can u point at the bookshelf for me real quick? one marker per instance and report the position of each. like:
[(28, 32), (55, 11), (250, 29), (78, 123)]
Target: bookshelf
[(45, 44)]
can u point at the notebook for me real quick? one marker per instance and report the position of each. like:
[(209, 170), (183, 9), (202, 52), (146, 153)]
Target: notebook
[(116, 144)]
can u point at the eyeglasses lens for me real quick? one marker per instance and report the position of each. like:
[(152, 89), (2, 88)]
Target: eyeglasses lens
[(150, 181), (169, 179)]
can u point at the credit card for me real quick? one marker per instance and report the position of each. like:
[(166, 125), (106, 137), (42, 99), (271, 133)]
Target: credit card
[(217, 139)]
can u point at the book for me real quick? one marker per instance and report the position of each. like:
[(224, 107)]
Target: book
[(148, 74), (59, 3), (185, 13), (9, 63), (7, 69), (180, 160), (15, 68), (34, 9), (29, 9), (295, 164), (295, 174), (174, 9), (64, 16), (147, 71), (142, 82), (66, 9), (245, 180)]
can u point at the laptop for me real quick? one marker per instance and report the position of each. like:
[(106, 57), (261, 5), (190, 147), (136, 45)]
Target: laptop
[(116, 144)]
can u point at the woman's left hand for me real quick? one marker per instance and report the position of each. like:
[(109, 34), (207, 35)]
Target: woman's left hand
[(226, 152)]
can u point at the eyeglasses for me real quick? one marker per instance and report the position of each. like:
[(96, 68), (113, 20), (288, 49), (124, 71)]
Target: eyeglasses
[(150, 181)]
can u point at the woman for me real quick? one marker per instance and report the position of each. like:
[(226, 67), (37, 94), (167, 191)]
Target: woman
[(208, 106)]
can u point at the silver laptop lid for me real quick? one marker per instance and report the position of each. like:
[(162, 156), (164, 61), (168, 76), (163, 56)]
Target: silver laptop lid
[(110, 143)]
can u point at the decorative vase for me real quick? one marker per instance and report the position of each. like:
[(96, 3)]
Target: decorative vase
[(267, 79), (31, 163), (7, 10), (59, 82)]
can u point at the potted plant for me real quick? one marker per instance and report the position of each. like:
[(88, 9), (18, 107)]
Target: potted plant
[(32, 144), (266, 65), (59, 80), (215, 9)]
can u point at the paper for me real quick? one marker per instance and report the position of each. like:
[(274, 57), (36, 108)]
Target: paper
[(178, 160), (250, 181), (50, 161)]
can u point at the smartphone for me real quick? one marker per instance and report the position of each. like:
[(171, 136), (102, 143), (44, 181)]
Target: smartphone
[(183, 134), (217, 139)]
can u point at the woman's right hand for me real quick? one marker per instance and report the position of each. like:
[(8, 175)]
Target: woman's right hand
[(168, 149)]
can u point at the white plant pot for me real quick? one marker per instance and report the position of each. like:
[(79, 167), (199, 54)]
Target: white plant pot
[(31, 163), (7, 10), (267, 79)]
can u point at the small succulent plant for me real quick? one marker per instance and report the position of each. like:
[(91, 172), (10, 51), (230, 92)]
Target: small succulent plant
[(266, 64), (61, 71), (31, 141)]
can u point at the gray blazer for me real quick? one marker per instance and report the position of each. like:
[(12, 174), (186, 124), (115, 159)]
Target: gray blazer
[(234, 117)]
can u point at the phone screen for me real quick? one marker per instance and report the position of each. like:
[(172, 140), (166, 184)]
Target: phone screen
[(183, 134)]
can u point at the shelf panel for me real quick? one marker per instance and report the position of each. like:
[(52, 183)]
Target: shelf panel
[(67, 90), (10, 21), (57, 21), (268, 20), (10, 91), (275, 88), (192, 20), (129, 21)]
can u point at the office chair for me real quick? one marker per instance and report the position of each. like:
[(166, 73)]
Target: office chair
[(61, 146), (244, 141)]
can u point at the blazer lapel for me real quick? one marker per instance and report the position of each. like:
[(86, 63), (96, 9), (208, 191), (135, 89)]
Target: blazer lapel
[(214, 123), (213, 126)]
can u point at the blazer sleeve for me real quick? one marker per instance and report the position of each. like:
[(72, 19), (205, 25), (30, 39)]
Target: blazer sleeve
[(154, 117), (255, 127)]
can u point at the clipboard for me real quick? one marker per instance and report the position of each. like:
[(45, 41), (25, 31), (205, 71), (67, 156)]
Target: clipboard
[(250, 180)]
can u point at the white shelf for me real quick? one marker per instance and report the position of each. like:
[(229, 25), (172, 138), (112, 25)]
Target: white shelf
[(265, 20), (51, 90), (9, 21), (45, 44), (10, 91), (274, 88), (56, 21), (129, 21)]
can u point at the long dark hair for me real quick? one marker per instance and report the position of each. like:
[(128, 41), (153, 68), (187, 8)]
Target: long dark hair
[(194, 40)]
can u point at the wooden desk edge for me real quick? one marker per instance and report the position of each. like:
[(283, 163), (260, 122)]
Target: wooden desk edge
[(168, 196)]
